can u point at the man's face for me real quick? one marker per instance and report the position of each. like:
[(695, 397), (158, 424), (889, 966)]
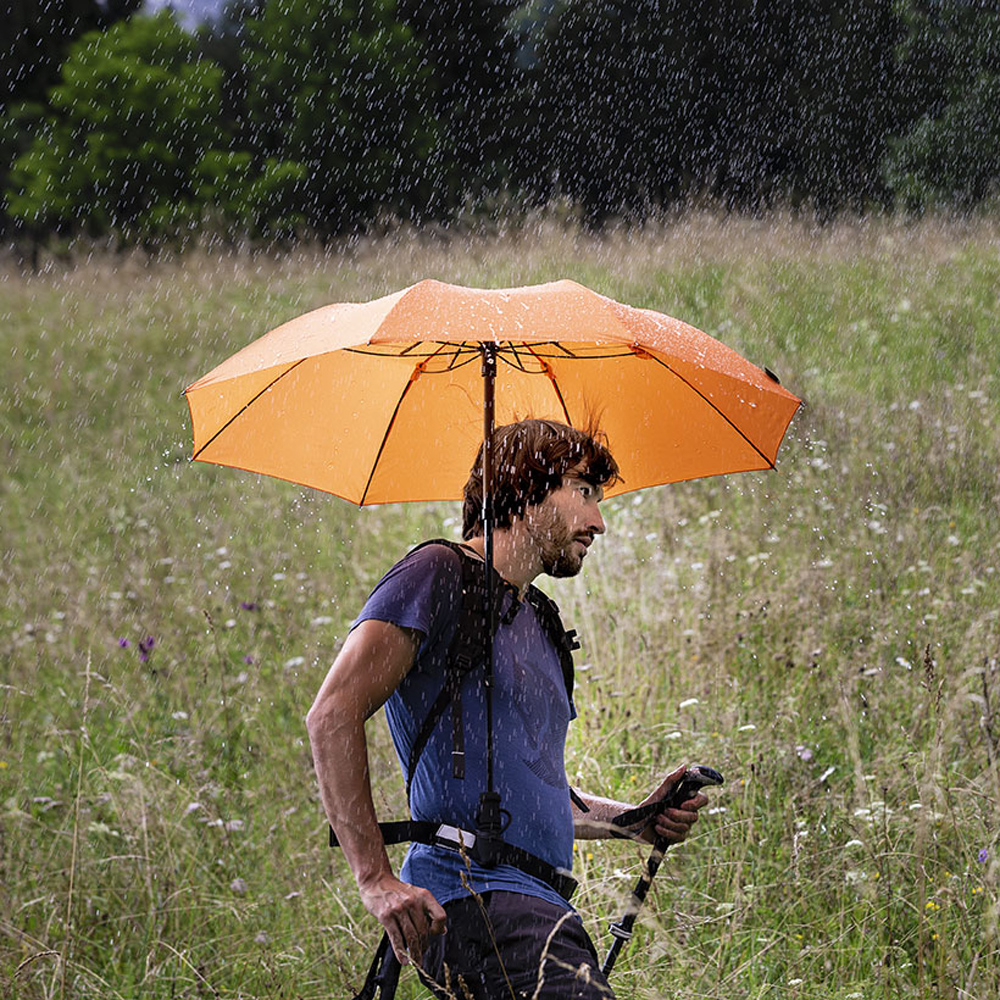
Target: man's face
[(562, 527)]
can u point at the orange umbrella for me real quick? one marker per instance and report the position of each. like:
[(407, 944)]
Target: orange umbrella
[(384, 401)]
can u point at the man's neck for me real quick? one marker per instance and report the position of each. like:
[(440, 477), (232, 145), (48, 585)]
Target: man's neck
[(514, 557)]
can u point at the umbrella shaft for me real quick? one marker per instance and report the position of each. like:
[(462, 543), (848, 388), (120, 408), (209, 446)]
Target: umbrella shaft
[(489, 385)]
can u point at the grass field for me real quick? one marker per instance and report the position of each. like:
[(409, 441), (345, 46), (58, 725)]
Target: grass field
[(826, 635)]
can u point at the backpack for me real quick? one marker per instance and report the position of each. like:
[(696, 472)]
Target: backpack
[(464, 654)]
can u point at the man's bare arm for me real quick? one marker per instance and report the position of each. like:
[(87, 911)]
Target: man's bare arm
[(674, 824), (373, 661)]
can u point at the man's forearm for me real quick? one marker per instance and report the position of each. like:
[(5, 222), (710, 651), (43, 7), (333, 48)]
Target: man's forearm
[(374, 659), (596, 823), (340, 756)]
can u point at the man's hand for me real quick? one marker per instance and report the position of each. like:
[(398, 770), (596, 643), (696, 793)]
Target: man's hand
[(600, 819), (672, 824), (409, 914)]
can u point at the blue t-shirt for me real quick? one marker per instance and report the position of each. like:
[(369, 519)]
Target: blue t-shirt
[(531, 713)]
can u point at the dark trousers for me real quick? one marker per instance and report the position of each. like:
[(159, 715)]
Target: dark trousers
[(505, 946)]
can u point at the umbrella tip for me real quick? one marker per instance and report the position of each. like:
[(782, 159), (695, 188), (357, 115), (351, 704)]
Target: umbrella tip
[(770, 374)]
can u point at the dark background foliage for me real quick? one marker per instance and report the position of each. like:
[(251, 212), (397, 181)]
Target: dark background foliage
[(283, 118)]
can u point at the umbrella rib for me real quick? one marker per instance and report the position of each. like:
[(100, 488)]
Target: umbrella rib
[(247, 405), (696, 390), (547, 369), (557, 350), (511, 352), (417, 372), (460, 355)]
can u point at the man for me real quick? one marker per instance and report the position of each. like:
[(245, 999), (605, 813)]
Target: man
[(506, 925)]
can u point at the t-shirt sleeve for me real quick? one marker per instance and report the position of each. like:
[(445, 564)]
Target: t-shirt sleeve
[(420, 592)]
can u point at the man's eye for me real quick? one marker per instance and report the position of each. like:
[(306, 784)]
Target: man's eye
[(585, 490)]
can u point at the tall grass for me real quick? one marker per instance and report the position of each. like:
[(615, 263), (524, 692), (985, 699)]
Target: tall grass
[(825, 635)]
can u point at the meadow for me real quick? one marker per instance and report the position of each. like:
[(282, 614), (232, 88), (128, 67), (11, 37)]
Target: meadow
[(825, 634)]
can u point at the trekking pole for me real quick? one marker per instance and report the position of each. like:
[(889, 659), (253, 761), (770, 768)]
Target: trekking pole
[(694, 779)]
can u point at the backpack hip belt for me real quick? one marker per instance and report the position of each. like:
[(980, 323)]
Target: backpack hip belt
[(456, 839)]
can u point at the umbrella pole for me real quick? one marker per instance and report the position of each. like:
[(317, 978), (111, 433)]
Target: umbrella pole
[(489, 388), (489, 827)]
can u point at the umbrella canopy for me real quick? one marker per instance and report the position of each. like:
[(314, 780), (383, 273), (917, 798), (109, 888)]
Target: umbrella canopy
[(383, 401)]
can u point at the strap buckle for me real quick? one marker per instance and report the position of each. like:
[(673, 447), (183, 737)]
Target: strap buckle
[(620, 932), (454, 837)]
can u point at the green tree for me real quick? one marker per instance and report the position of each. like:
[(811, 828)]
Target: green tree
[(130, 142), (479, 98), (37, 35), (641, 104), (340, 93), (950, 62), (848, 101), (221, 39)]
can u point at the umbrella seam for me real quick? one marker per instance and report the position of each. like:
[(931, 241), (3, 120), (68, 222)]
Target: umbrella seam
[(246, 406), (696, 390)]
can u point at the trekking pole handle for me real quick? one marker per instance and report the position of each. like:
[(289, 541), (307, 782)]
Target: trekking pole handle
[(694, 779)]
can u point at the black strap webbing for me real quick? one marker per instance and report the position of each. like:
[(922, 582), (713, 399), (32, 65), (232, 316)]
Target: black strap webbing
[(565, 642), (383, 973), (464, 653)]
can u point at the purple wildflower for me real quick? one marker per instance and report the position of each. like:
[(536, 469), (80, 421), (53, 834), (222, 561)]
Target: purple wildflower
[(123, 643), (248, 659), (248, 605), (146, 647), (984, 855)]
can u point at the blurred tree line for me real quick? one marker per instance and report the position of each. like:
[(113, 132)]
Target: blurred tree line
[(318, 117)]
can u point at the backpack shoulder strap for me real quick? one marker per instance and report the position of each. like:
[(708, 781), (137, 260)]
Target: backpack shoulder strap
[(464, 653), (564, 641)]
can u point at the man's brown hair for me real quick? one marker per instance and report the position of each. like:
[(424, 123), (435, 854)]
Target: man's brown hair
[(530, 459)]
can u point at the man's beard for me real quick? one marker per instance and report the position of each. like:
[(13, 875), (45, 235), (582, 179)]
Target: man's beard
[(564, 564), (555, 547)]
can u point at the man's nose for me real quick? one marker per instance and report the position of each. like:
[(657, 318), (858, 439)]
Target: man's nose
[(597, 522)]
